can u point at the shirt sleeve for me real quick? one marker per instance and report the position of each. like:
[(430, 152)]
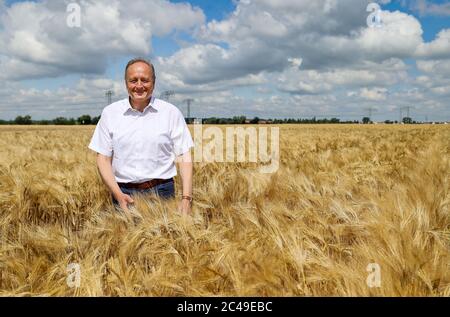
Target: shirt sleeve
[(101, 141), (181, 137)]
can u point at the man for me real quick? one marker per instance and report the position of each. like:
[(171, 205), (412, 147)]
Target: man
[(138, 140)]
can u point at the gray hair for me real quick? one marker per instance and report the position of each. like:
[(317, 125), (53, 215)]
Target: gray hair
[(141, 60)]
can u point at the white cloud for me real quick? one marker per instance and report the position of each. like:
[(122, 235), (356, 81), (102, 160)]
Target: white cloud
[(324, 35), (435, 67), (85, 97), (200, 64), (378, 94), (436, 78), (425, 7), (36, 34), (312, 49), (439, 48), (298, 81), (442, 90), (287, 58), (170, 80)]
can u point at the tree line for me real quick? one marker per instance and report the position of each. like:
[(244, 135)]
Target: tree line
[(88, 120), (257, 120), (27, 120)]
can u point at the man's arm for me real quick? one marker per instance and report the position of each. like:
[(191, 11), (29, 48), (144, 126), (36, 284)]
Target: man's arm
[(104, 164), (186, 172)]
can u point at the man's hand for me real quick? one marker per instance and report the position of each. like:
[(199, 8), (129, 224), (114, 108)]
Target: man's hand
[(185, 207), (186, 171), (124, 200), (104, 164)]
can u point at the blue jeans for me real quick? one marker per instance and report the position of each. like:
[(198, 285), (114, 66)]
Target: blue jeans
[(165, 191)]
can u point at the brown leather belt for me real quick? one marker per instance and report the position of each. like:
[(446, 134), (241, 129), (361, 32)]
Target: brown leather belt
[(146, 185)]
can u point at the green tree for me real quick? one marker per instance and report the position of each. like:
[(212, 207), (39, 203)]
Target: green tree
[(407, 120), (239, 120), (64, 121), (23, 120), (95, 120), (84, 119), (255, 120), (366, 120)]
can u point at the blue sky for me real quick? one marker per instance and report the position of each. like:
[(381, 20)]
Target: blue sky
[(431, 24), (255, 58), (218, 9)]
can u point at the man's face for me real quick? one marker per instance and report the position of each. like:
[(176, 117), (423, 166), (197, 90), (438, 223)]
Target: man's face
[(139, 82)]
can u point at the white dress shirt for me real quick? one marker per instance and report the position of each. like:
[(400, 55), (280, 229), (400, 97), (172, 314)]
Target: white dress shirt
[(143, 145)]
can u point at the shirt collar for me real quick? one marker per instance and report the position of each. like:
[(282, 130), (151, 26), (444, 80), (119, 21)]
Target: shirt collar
[(152, 105)]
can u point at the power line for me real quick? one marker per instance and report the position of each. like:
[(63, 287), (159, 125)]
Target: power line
[(109, 95), (189, 101), (165, 95), (370, 110), (407, 110)]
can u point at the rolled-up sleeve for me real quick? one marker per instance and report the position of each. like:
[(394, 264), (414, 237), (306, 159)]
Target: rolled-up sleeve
[(101, 141), (181, 137)]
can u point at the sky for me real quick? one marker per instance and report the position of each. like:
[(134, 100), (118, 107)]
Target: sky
[(265, 58)]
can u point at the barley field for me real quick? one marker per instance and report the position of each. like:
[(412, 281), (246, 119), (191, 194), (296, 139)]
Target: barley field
[(345, 199)]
